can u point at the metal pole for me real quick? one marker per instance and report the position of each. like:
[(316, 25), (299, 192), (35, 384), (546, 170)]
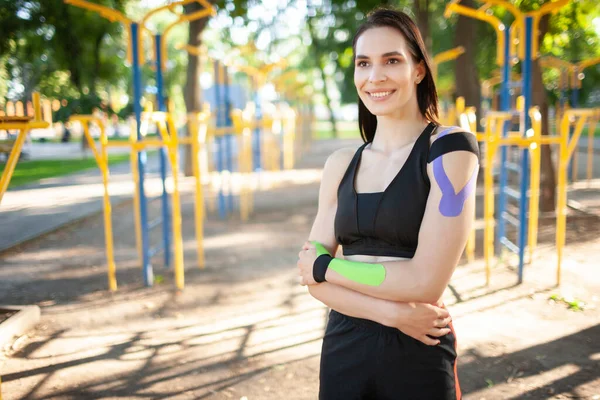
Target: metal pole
[(163, 157), (256, 136), (504, 106), (525, 153), (219, 139), (137, 95), (228, 138)]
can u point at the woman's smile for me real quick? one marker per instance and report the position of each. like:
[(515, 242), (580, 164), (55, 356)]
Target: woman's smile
[(380, 95)]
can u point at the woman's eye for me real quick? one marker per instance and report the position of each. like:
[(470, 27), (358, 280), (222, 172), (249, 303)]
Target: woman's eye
[(362, 64), (393, 61)]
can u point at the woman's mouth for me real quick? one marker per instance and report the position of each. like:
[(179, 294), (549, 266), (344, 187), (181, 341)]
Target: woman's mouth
[(380, 95)]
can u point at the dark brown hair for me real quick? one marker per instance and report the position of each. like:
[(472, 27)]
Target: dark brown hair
[(426, 93)]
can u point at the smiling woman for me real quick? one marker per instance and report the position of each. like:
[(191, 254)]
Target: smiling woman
[(400, 206)]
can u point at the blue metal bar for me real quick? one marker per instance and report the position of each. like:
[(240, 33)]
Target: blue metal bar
[(509, 245), (256, 136), (163, 155), (218, 139), (522, 238), (511, 219), (504, 106), (137, 108), (228, 138)]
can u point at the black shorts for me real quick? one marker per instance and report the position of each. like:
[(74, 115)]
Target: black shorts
[(362, 360)]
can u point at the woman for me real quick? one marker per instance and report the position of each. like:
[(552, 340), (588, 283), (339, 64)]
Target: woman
[(401, 206)]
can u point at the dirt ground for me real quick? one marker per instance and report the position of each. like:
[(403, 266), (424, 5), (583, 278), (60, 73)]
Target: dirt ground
[(244, 329)]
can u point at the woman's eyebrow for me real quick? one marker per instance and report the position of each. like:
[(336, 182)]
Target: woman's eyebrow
[(384, 55)]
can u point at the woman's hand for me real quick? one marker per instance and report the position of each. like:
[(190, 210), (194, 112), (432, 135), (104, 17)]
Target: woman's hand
[(306, 260), (420, 321)]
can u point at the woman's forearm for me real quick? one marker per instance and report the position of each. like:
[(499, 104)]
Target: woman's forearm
[(355, 304)]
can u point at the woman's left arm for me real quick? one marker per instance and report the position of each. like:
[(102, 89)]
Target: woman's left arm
[(444, 230)]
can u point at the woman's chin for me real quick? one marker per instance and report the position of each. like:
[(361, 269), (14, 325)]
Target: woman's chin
[(383, 111)]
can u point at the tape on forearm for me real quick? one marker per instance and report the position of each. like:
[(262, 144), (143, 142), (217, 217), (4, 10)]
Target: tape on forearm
[(359, 272)]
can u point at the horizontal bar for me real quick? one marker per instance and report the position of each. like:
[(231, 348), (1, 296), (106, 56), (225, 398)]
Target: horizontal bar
[(508, 217), (510, 192), (512, 167), (509, 245), (153, 224), (154, 251)]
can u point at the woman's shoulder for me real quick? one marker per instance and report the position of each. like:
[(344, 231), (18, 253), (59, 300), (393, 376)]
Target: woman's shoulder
[(461, 143), (337, 163), (443, 130)]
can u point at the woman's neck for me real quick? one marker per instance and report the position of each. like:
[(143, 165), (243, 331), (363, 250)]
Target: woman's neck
[(395, 132)]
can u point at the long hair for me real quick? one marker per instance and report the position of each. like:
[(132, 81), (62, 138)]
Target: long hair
[(426, 93)]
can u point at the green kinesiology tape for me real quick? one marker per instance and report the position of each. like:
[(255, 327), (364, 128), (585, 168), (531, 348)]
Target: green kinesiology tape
[(320, 248), (359, 272)]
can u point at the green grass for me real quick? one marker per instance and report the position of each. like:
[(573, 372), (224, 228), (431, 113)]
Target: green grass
[(346, 130), (596, 132), (33, 171)]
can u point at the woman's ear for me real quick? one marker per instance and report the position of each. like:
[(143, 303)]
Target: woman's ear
[(421, 72)]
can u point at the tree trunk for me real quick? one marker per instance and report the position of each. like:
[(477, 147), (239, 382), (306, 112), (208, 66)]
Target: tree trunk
[(192, 92), (539, 98), (73, 48), (318, 56), (97, 45), (466, 76), (422, 14)]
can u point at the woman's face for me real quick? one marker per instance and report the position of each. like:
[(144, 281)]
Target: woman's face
[(385, 74)]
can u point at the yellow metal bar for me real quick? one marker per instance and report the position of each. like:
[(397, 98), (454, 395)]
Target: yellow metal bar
[(590, 147), (108, 231), (561, 203), (12, 160), (550, 7), (488, 204), (20, 125), (446, 56), (534, 184), (207, 11), (493, 128), (136, 195), (575, 136), (105, 12), (537, 15), (483, 16), (587, 63), (102, 161), (176, 218), (195, 122), (37, 107)]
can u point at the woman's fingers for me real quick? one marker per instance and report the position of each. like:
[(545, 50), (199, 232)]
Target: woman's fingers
[(437, 332), (429, 341), (442, 322)]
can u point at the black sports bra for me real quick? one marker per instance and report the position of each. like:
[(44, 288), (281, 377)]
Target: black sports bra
[(387, 223)]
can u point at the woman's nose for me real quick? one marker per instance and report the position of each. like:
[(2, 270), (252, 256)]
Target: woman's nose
[(377, 75)]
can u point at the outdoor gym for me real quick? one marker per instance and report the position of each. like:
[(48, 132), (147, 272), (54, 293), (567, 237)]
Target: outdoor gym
[(162, 163)]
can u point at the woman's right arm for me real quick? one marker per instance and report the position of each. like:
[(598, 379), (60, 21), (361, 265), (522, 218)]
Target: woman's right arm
[(415, 320)]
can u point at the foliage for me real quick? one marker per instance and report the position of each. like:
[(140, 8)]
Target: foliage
[(85, 104)]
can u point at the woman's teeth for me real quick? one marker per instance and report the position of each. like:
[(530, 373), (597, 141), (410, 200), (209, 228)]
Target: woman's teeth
[(380, 94)]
